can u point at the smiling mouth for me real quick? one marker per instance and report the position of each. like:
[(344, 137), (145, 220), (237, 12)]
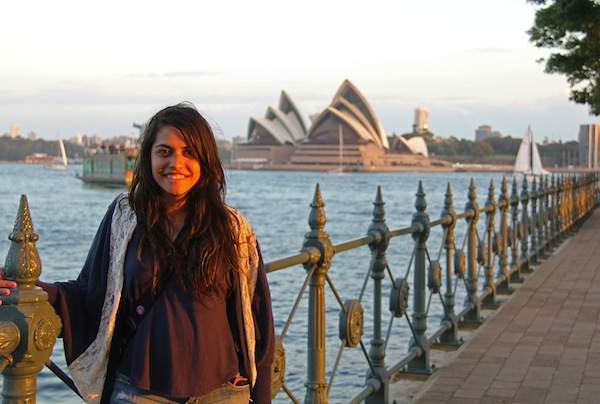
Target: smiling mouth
[(174, 177)]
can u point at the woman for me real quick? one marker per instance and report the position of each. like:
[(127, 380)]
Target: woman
[(172, 304)]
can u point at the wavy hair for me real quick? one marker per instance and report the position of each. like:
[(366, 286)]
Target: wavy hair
[(203, 254)]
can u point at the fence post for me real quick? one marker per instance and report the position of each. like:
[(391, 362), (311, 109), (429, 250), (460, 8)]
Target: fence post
[(516, 234), (419, 317), (540, 219), (525, 226), (473, 316), (380, 230), (573, 203), (487, 251), (28, 324), (504, 270), (317, 237), (533, 196), (553, 216), (450, 336)]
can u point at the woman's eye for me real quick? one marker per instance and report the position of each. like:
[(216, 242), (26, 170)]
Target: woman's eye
[(163, 152), (188, 153)]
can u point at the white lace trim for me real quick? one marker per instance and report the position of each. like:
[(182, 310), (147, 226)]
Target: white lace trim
[(89, 369), (248, 266)]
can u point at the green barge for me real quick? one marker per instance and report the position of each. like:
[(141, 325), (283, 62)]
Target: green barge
[(110, 169)]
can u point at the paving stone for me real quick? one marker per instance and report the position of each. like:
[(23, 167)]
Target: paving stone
[(543, 346), (531, 394)]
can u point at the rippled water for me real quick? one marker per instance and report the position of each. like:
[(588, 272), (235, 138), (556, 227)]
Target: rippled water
[(66, 214)]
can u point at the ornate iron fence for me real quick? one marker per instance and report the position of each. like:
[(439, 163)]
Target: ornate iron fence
[(518, 230)]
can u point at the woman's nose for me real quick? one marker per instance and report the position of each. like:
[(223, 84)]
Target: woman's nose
[(176, 160)]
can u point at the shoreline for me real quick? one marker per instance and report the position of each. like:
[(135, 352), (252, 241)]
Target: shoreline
[(463, 168)]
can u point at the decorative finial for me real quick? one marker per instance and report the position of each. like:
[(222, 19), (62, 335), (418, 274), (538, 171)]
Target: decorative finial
[(23, 263), (448, 200), (491, 192), (420, 202), (472, 191), (378, 207), (317, 218)]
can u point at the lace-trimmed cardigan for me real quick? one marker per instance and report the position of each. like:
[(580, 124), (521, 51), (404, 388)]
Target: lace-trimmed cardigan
[(89, 305)]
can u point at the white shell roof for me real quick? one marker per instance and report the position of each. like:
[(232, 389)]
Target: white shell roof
[(352, 107), (284, 123), (417, 145)]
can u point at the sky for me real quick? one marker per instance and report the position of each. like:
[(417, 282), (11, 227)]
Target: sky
[(95, 67)]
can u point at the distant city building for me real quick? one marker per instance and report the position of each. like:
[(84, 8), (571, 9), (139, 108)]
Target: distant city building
[(15, 131), (95, 140), (77, 139), (32, 135), (589, 146), (485, 132), (421, 122), (238, 139)]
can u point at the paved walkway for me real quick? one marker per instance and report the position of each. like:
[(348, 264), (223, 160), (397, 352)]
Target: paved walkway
[(543, 346)]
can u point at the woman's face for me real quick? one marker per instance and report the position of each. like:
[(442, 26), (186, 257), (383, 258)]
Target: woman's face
[(174, 167)]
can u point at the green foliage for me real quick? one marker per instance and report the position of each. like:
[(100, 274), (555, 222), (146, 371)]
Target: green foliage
[(572, 29), (17, 149), (498, 151)]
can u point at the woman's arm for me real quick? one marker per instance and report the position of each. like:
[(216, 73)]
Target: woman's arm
[(79, 302)]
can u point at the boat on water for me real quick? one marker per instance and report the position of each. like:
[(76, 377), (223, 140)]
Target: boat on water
[(528, 161), (112, 165), (114, 168), (62, 163)]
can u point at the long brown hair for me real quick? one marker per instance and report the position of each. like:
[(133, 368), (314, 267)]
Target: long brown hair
[(203, 254)]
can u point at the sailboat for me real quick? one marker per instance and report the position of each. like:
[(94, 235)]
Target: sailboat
[(61, 165), (528, 161)]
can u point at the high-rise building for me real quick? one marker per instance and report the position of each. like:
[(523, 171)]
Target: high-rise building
[(485, 132), (421, 123), (589, 146), (15, 131)]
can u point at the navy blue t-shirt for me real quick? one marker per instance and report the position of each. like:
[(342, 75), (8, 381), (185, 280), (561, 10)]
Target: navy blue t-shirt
[(183, 346)]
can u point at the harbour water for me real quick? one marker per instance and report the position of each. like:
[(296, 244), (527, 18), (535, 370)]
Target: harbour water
[(66, 213)]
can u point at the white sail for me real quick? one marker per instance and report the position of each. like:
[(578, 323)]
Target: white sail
[(528, 161), (536, 165), (63, 153)]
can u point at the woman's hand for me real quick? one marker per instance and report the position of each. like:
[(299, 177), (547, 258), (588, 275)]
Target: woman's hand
[(5, 286)]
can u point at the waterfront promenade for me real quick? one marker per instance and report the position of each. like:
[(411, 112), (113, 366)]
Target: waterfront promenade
[(543, 345)]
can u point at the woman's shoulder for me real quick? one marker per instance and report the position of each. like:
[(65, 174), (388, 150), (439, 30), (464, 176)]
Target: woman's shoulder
[(240, 223)]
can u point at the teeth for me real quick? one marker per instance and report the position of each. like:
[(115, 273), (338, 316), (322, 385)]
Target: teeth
[(175, 176)]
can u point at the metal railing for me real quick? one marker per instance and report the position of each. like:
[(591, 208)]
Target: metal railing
[(520, 229)]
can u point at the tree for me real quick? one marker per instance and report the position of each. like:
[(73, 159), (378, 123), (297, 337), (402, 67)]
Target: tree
[(572, 28)]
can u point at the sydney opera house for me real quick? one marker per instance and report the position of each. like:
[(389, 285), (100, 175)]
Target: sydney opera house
[(346, 135)]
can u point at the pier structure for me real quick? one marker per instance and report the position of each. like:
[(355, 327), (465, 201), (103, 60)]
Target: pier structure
[(476, 261)]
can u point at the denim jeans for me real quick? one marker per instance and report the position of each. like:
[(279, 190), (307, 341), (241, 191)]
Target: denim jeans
[(125, 393)]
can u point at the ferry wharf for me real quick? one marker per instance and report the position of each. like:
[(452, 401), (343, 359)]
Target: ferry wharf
[(543, 345)]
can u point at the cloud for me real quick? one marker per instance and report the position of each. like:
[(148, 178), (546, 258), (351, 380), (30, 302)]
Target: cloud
[(490, 49), (174, 75), (192, 74)]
